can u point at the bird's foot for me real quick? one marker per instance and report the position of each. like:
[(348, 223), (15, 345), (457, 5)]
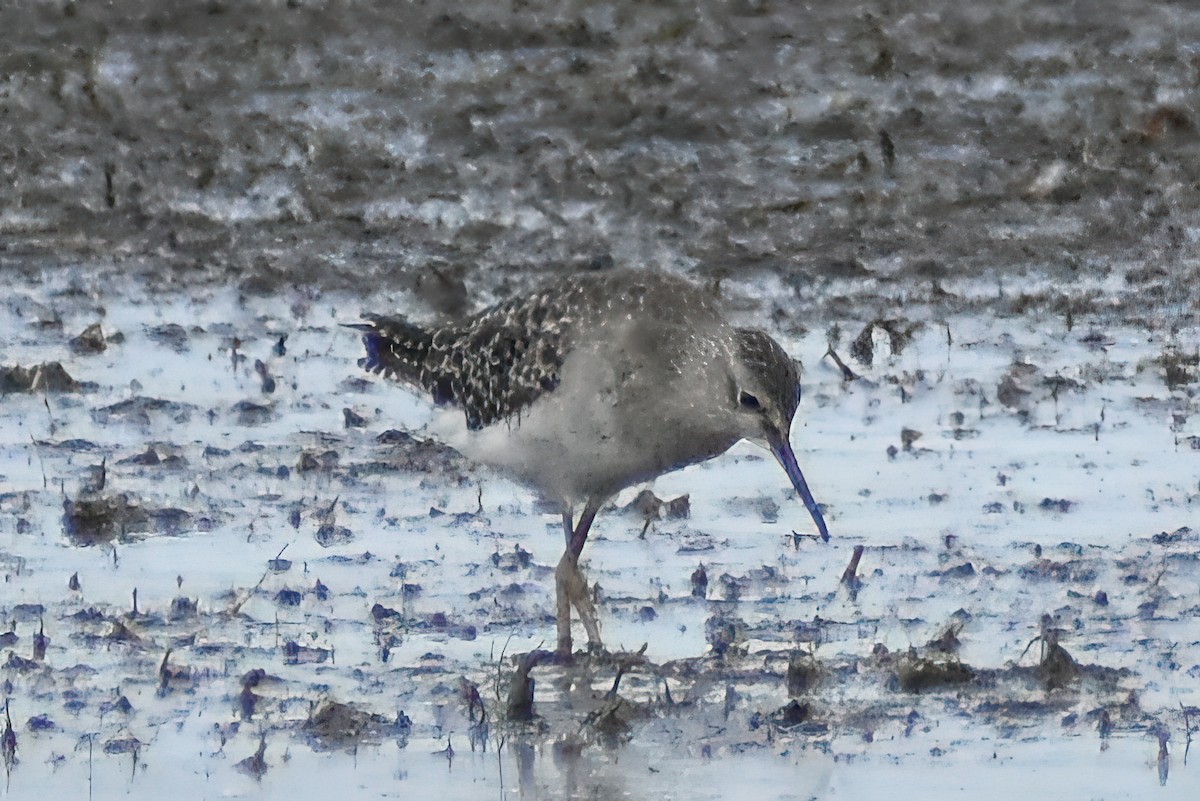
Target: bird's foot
[(562, 659), (581, 599)]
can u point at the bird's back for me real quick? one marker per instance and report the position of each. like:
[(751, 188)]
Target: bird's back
[(489, 367), (579, 388), (496, 363)]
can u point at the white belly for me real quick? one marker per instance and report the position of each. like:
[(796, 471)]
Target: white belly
[(598, 433)]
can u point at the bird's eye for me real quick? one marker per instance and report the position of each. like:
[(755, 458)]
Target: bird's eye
[(748, 401)]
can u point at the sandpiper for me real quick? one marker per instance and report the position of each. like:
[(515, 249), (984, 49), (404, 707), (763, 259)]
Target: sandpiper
[(596, 383)]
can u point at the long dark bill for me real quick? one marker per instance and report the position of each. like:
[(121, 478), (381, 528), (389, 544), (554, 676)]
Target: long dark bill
[(783, 452)]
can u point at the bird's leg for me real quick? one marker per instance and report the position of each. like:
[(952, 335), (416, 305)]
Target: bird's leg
[(561, 594), (571, 587), (580, 594), (563, 612)]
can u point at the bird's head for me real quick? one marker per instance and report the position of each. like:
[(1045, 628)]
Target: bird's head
[(765, 393)]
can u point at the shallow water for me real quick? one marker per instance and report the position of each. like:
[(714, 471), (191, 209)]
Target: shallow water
[(993, 516), (1017, 178)]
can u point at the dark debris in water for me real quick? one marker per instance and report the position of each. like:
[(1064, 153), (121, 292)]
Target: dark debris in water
[(311, 461), (255, 765), (141, 410), (19, 664), (335, 725), (249, 413), (46, 377), (1179, 535), (650, 507), (1056, 505), (103, 519), (519, 704), (41, 723), (791, 715), (91, 340), (96, 519), (1073, 571), (916, 674), (329, 535), (127, 744), (297, 654), (1057, 668), (171, 335), (898, 334), (612, 723), (407, 453)]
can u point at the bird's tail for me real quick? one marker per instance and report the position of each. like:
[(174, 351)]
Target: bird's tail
[(395, 347)]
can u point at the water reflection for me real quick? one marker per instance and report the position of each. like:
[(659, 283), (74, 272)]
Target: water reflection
[(571, 772)]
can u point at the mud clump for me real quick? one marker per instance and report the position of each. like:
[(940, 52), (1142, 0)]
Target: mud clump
[(255, 765), (182, 608), (1179, 535), (1017, 385), (140, 409), (1178, 367), (612, 722), (333, 725), (724, 634), (296, 654), (329, 535), (650, 507), (803, 674), (918, 674), (412, 455), (311, 461), (123, 745), (791, 715), (171, 335), (174, 677), (1056, 505), (519, 707), (248, 413), (48, 377), (893, 334), (91, 340), (1057, 668), (93, 521), (157, 454), (1073, 571)]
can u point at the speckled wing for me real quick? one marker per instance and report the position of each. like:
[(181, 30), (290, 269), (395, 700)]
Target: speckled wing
[(493, 366)]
